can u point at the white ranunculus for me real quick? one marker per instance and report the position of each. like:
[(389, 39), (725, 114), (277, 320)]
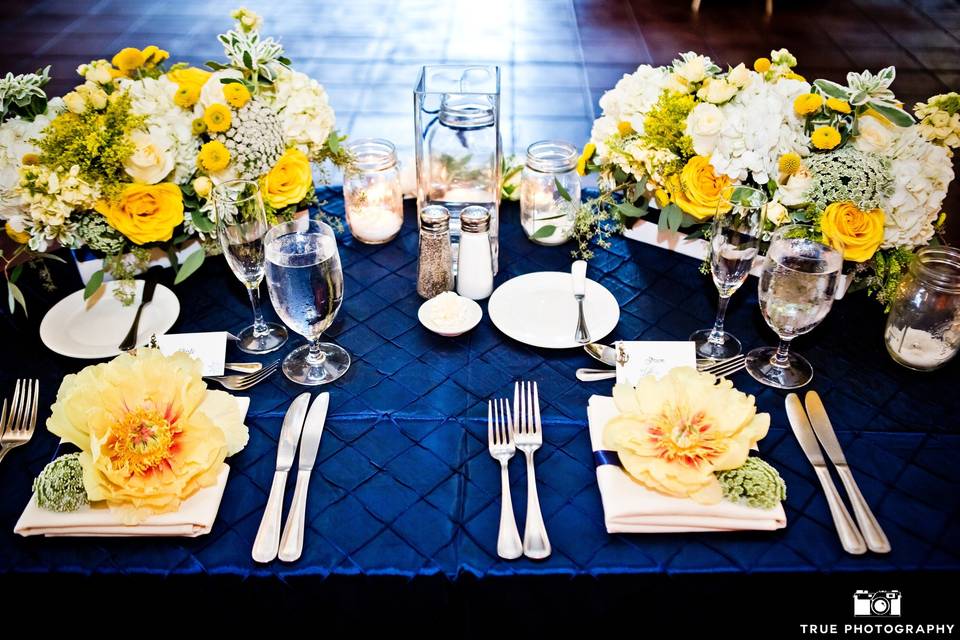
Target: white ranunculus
[(703, 126), (693, 70), (716, 90), (75, 102), (792, 193), (152, 158), (874, 136), (739, 76), (776, 213)]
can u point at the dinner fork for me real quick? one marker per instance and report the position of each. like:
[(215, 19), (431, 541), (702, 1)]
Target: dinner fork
[(502, 447), (528, 435), (245, 381), (721, 368), (16, 427)]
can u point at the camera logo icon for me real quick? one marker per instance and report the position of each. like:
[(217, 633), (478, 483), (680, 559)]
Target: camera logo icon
[(880, 604)]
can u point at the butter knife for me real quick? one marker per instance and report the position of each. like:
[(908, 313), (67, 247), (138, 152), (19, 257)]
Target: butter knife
[(268, 535), (291, 545), (850, 536), (149, 286), (872, 532)]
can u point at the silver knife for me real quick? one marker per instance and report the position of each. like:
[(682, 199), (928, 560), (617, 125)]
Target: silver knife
[(130, 340), (850, 536), (268, 535), (292, 543), (875, 537)]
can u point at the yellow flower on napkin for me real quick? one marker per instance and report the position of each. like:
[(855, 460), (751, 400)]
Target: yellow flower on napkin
[(697, 188), (149, 431), (673, 433), (145, 212), (289, 181)]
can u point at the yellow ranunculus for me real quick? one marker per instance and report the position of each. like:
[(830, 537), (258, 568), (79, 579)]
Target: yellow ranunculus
[(189, 75), (154, 55), (217, 117), (697, 189), (214, 156), (838, 105), (236, 94), (20, 237), (145, 212), (807, 103), (150, 433), (825, 138), (588, 150), (186, 95), (128, 59), (289, 181), (671, 434), (855, 233), (761, 65), (794, 76)]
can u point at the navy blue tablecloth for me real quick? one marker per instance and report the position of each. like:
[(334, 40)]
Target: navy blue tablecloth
[(404, 485)]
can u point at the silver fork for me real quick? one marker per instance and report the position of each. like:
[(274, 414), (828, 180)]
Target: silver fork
[(16, 427), (245, 381), (528, 435), (501, 445), (720, 368)]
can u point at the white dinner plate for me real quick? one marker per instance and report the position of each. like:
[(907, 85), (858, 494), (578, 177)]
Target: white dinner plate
[(94, 328), (539, 309)]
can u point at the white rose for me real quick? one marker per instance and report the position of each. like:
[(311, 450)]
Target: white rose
[(703, 126), (693, 70), (874, 136), (793, 192), (776, 213), (75, 102), (152, 159), (677, 84), (739, 76), (716, 90), (97, 98)]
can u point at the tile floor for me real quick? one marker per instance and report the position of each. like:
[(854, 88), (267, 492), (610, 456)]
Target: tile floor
[(557, 56)]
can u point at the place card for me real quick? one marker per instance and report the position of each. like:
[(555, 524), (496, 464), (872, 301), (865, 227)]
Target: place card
[(644, 358), (209, 347)]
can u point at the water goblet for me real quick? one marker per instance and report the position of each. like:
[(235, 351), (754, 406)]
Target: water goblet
[(305, 281), (734, 242), (797, 286), (241, 227)]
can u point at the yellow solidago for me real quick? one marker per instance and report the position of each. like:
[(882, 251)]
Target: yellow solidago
[(761, 65), (588, 150), (236, 94), (838, 105), (807, 103), (213, 156), (789, 163), (825, 138), (186, 95), (217, 118)]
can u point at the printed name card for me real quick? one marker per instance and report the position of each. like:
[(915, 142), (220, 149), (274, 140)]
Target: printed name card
[(652, 358), (210, 348)]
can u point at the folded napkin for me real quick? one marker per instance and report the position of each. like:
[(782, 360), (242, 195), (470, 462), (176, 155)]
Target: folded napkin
[(195, 518), (629, 507)]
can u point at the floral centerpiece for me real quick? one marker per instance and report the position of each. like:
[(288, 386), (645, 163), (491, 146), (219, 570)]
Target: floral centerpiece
[(126, 162), (846, 161)]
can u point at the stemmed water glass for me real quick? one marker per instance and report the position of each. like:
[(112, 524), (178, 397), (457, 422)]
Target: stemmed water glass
[(305, 282), (241, 227), (797, 286), (734, 242)]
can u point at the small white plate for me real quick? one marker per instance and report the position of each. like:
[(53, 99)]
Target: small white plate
[(94, 328), (471, 318), (539, 309)]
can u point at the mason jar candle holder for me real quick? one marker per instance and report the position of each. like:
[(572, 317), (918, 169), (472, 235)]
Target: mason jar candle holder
[(373, 199), (549, 192)]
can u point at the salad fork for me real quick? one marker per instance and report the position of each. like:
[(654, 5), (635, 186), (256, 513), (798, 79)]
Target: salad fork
[(16, 427), (528, 435), (501, 446), (243, 382)]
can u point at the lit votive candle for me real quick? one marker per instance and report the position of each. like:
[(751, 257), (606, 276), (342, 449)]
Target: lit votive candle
[(373, 224), (373, 199)]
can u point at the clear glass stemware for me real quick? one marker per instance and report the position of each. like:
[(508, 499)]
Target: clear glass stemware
[(241, 227), (797, 287), (305, 281), (734, 242)]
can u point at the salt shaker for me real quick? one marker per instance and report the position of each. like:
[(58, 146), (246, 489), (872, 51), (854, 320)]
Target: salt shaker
[(435, 264), (475, 262)]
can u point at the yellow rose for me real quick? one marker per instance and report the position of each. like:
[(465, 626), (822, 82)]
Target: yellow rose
[(855, 233), (217, 117), (189, 75), (289, 181), (761, 65), (214, 156), (145, 212), (696, 189), (807, 103), (20, 237), (186, 95), (236, 94), (588, 150), (128, 59), (838, 105), (825, 138)]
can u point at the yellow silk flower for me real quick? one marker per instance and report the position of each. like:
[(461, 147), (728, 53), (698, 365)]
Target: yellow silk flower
[(289, 181), (854, 232), (150, 433), (673, 433), (145, 212), (697, 189)]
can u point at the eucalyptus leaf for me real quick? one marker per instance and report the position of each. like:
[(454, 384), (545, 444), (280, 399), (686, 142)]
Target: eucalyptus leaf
[(15, 295), (675, 218), (201, 222), (561, 190), (93, 284), (664, 218), (545, 231), (191, 264), (631, 211)]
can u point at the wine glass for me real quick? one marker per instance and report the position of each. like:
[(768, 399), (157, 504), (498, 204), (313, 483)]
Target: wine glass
[(241, 226), (797, 285), (305, 282), (734, 242)]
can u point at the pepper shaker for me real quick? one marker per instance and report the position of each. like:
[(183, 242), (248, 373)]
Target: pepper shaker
[(475, 262), (435, 263)]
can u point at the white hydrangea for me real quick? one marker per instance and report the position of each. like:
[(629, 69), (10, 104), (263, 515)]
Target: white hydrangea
[(745, 137), (153, 98), (305, 112), (629, 101), (921, 171)]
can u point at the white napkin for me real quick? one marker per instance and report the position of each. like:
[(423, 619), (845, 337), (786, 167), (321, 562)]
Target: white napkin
[(194, 518), (629, 507)]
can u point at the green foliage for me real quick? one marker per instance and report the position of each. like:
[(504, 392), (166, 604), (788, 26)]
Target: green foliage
[(23, 95), (889, 267)]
